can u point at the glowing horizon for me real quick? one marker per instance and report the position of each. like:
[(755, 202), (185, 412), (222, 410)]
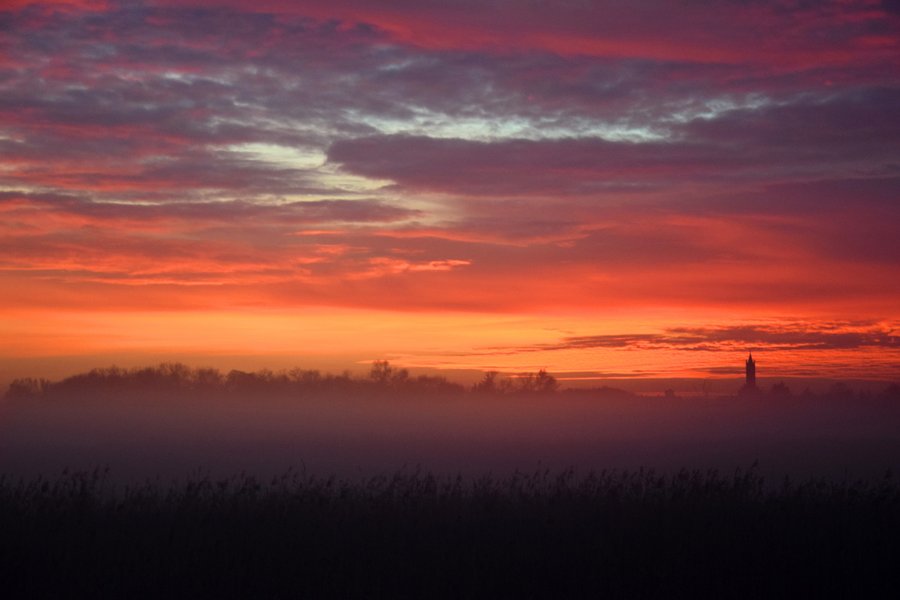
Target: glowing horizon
[(587, 188)]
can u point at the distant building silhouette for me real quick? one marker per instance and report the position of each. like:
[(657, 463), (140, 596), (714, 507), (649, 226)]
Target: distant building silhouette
[(749, 388), (750, 383)]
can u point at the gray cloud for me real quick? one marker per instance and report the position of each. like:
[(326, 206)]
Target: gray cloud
[(838, 336), (238, 212)]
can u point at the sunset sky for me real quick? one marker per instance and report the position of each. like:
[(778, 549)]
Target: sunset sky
[(599, 188)]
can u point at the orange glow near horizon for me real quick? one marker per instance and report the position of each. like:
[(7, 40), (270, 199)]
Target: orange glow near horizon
[(626, 345)]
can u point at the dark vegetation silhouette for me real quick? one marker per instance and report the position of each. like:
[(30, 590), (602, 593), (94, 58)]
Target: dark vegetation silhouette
[(175, 379), (628, 534), (384, 379)]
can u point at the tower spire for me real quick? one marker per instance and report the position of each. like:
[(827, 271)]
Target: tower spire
[(750, 371)]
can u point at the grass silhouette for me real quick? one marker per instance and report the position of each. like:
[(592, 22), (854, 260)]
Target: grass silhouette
[(417, 535)]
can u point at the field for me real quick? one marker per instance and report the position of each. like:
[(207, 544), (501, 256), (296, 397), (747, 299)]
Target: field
[(416, 535), (524, 491)]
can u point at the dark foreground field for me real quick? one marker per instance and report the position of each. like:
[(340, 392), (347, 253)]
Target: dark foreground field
[(414, 535)]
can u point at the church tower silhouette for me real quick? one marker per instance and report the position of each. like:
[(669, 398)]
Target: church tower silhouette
[(750, 373)]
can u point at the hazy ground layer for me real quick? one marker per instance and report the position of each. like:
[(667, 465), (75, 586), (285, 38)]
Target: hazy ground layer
[(170, 420), (366, 435)]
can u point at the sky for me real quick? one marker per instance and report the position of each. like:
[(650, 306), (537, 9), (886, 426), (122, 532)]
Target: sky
[(605, 189)]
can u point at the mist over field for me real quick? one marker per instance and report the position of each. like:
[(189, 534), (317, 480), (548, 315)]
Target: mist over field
[(264, 424), (135, 483)]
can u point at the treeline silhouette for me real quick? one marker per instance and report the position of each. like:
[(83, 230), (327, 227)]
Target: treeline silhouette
[(178, 380), (622, 534)]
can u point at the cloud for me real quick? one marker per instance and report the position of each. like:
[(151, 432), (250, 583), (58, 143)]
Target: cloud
[(809, 137), (814, 33), (242, 213), (782, 336), (485, 156), (76, 240), (515, 167)]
